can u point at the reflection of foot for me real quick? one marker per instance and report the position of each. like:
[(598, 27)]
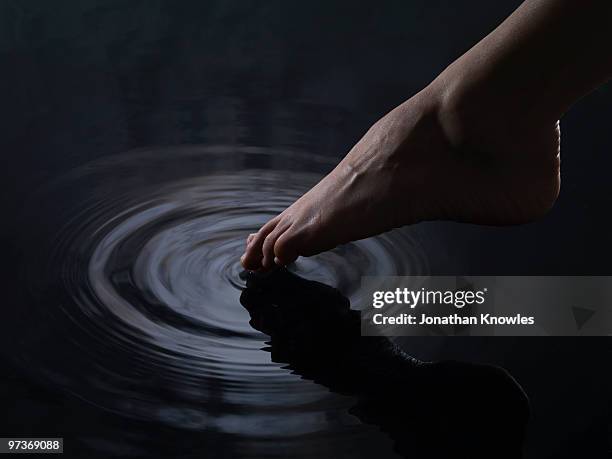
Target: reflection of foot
[(425, 160), (451, 409)]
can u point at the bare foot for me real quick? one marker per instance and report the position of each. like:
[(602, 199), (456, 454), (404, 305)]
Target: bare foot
[(434, 157)]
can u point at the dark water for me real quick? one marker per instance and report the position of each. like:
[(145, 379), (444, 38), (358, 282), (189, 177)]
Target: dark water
[(133, 293), (137, 305), (142, 141)]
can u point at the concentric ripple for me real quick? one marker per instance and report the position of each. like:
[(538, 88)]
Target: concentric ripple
[(133, 268)]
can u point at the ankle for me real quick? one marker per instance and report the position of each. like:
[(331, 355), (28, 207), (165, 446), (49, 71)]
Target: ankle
[(477, 118)]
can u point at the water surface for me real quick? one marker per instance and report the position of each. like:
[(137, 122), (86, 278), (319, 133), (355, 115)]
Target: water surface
[(133, 292)]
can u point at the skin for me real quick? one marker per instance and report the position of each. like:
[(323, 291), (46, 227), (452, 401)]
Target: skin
[(480, 144)]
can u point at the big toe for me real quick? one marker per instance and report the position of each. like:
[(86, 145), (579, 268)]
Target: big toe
[(253, 255), (269, 245), (287, 247)]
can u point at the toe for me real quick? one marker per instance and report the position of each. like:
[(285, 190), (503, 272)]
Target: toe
[(269, 243), (253, 255), (286, 247)]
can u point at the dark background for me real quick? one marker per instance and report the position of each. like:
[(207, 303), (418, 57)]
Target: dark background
[(84, 79)]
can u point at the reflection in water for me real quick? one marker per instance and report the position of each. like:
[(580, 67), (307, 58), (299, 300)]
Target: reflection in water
[(132, 295), (442, 409), (83, 80)]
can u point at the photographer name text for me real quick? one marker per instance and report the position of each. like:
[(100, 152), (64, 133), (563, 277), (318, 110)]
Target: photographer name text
[(453, 319)]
